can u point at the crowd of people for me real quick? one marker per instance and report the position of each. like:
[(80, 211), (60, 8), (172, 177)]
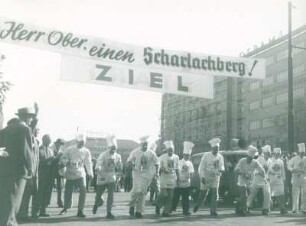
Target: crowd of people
[(29, 171)]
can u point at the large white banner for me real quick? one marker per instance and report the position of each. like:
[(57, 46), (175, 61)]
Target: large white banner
[(98, 72), (146, 58)]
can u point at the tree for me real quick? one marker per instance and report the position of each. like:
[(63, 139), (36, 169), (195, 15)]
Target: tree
[(4, 87)]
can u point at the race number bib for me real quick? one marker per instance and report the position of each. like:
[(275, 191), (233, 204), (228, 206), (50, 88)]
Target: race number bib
[(170, 164), (144, 162)]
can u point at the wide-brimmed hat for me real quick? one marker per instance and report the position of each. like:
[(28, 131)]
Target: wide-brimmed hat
[(27, 111), (60, 141)]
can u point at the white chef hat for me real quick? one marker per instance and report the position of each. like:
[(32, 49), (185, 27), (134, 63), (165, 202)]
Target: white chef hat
[(144, 139), (277, 150), (252, 151), (266, 149), (215, 142), (111, 140), (169, 144), (80, 137), (301, 147), (188, 147), (153, 146)]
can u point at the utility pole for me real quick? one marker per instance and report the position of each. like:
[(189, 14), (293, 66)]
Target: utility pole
[(290, 85)]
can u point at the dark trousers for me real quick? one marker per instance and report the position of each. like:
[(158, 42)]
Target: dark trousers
[(184, 193), (45, 186), (70, 184), (29, 191), (165, 199), (213, 199), (59, 189), (241, 205), (11, 192), (110, 195)]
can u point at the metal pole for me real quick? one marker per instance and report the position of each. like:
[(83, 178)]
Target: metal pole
[(290, 86), (229, 111)]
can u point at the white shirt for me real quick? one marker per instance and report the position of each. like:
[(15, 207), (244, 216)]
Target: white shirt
[(211, 165), (276, 171), (298, 165), (144, 161), (260, 179), (106, 167), (76, 160), (168, 166), (185, 170), (247, 170)]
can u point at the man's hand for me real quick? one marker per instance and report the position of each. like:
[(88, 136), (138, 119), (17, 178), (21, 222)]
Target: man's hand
[(36, 108)]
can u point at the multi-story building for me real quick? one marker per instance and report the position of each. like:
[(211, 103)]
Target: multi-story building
[(256, 109)]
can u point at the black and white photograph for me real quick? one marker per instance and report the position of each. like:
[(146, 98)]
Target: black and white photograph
[(152, 112)]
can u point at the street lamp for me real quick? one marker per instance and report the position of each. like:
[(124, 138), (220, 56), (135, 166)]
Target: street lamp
[(290, 85)]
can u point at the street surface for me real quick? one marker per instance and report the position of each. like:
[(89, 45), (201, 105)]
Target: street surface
[(120, 210)]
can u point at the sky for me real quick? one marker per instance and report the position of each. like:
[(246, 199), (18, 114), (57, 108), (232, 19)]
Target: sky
[(218, 27)]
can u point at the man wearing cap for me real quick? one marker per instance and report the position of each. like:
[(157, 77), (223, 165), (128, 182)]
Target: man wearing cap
[(186, 171), (245, 170), (261, 182), (169, 178), (76, 160), (45, 180), (31, 189), (17, 164), (210, 171), (297, 166), (56, 177), (145, 167), (277, 177), (108, 163)]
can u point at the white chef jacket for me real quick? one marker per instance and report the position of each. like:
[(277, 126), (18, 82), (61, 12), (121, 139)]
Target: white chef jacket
[(299, 164), (144, 168), (106, 167), (185, 170), (210, 166), (168, 165), (75, 159), (247, 171), (258, 179)]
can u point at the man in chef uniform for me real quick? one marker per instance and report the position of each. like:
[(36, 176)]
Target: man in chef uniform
[(260, 181), (210, 171), (245, 170), (169, 177), (186, 171), (108, 163), (277, 177), (76, 159), (145, 166), (297, 166)]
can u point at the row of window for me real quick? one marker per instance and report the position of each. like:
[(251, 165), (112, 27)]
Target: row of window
[(264, 123), (284, 54), (279, 99), (279, 77)]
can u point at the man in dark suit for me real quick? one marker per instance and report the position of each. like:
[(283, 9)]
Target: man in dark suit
[(31, 189), (17, 166), (58, 151), (45, 179)]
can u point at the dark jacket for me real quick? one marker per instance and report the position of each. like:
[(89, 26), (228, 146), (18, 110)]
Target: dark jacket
[(17, 140)]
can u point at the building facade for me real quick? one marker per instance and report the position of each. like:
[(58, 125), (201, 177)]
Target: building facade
[(251, 108)]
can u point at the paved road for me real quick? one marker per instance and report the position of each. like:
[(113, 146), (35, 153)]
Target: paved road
[(120, 210)]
